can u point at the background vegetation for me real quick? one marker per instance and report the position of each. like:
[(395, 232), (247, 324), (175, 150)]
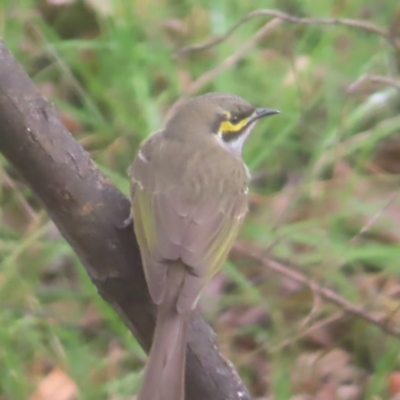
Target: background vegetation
[(324, 197)]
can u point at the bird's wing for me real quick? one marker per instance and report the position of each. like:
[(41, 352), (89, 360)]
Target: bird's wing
[(210, 235), (169, 225)]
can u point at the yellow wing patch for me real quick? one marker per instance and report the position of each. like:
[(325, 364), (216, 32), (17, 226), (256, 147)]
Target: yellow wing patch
[(222, 244), (142, 210)]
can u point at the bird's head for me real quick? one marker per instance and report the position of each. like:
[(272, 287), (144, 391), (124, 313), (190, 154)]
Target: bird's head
[(225, 118)]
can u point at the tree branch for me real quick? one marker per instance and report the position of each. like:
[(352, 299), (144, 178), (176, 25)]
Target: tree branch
[(88, 209), (329, 295), (384, 80), (353, 23)]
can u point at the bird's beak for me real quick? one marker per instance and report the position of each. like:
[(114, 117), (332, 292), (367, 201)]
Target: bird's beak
[(263, 112)]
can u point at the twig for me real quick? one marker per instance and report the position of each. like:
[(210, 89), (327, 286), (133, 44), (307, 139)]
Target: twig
[(374, 218), (326, 293), (317, 325), (65, 69), (354, 23), (348, 146), (48, 317), (227, 63), (316, 305), (29, 211), (386, 80)]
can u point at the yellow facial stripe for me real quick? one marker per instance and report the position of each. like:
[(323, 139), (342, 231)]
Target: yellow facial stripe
[(228, 127)]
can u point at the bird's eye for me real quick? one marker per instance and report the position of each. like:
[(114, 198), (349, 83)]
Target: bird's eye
[(234, 119)]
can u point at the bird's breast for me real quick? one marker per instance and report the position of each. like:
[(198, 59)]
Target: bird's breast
[(195, 170)]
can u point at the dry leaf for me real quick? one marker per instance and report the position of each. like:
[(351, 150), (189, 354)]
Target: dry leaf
[(394, 383), (57, 385)]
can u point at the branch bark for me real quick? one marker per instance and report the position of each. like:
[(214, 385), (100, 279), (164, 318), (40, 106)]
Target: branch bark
[(88, 210)]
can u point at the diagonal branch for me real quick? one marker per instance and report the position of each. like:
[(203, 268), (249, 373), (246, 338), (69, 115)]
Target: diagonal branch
[(329, 295), (384, 80), (353, 23), (88, 210)]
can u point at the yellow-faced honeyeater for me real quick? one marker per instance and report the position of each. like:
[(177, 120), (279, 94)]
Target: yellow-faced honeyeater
[(189, 188)]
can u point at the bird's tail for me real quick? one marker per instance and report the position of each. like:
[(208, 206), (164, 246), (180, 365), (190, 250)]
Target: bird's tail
[(164, 376)]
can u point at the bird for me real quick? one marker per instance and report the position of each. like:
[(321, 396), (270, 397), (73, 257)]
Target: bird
[(189, 196)]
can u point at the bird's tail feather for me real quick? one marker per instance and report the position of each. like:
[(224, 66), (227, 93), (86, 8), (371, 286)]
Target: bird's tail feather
[(164, 376)]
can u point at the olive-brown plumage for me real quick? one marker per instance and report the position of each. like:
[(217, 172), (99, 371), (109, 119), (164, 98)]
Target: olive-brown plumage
[(189, 198)]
